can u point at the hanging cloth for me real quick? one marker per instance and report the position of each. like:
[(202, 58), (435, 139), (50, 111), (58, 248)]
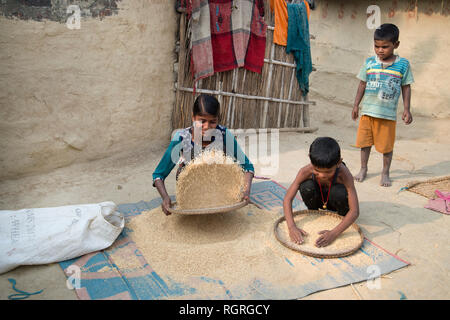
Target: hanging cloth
[(202, 64), (225, 35), (298, 44), (238, 34), (256, 48), (279, 7)]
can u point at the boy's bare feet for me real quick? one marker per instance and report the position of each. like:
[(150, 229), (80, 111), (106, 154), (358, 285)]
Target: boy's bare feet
[(387, 159), (365, 153), (361, 175), (385, 180)]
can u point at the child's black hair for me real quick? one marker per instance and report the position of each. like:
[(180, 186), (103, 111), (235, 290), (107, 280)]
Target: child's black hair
[(387, 32), (206, 105), (324, 152)]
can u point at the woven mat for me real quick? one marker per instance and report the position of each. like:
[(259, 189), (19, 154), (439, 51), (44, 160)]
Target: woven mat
[(101, 278), (426, 188)]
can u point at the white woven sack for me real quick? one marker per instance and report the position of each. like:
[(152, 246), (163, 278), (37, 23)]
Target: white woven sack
[(47, 235)]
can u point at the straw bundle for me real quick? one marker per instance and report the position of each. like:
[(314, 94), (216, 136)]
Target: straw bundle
[(313, 221), (427, 188), (211, 180)]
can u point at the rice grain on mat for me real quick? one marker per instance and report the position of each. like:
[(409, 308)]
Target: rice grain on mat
[(237, 248), (313, 223), (211, 180), (221, 246)]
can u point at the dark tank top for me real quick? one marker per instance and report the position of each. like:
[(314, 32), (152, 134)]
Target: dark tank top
[(333, 181)]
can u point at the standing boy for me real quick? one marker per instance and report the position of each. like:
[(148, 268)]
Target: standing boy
[(383, 77)]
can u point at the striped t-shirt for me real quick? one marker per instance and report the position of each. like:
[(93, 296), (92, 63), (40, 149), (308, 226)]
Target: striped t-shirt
[(383, 86)]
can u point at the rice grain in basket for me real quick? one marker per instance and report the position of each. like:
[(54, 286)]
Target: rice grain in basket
[(313, 223), (210, 180)]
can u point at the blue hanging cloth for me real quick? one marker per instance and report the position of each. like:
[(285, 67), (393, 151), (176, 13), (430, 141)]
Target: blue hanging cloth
[(298, 43)]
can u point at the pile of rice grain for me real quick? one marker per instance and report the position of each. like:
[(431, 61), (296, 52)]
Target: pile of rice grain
[(238, 248), (218, 245), (211, 180), (313, 223)]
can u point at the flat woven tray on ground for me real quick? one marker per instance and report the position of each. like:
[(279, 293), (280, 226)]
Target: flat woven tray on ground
[(426, 188), (318, 252), (209, 210)]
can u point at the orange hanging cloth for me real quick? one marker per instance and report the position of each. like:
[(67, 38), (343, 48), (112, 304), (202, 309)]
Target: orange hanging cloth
[(281, 20)]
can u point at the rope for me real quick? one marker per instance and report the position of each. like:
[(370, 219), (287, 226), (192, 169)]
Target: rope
[(402, 189), (21, 294)]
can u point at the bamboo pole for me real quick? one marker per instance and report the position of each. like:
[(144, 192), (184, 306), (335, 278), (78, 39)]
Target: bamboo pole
[(244, 96), (280, 105), (281, 63), (289, 97), (305, 112), (230, 104), (181, 66), (242, 103), (269, 82), (271, 28), (269, 130)]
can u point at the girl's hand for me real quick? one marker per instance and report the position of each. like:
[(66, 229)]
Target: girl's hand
[(246, 196), (248, 186), (296, 234), (326, 238), (165, 205)]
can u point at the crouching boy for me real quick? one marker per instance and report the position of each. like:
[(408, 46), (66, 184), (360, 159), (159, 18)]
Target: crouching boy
[(325, 183)]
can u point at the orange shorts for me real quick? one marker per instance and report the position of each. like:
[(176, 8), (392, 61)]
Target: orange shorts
[(376, 131)]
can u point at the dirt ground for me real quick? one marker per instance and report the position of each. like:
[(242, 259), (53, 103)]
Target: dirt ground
[(395, 220)]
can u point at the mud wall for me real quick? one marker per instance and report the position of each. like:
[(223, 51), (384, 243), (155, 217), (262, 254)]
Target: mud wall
[(72, 94), (78, 94)]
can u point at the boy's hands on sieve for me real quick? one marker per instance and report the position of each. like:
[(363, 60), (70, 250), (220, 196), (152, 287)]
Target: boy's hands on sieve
[(296, 234), (165, 205), (326, 238)]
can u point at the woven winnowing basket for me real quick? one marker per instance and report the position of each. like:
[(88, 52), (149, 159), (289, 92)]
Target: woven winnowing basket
[(426, 188), (211, 183), (290, 245)]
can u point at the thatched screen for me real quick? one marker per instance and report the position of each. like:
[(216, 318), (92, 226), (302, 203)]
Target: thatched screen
[(272, 99)]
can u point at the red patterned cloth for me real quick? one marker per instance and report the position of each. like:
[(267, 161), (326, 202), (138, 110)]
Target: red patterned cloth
[(202, 64), (227, 34), (256, 49)]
